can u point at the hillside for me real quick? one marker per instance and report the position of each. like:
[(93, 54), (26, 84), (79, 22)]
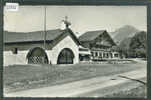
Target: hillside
[(123, 33), (125, 44), (135, 46)]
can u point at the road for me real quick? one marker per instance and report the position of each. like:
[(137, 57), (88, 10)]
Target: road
[(83, 87)]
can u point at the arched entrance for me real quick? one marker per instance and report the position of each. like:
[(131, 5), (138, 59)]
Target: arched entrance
[(65, 57), (37, 56)]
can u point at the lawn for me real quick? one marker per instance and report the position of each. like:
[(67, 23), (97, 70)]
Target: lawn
[(18, 77)]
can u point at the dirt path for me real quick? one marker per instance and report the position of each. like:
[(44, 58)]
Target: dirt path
[(75, 89)]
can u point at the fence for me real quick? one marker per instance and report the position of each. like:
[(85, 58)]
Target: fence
[(36, 60)]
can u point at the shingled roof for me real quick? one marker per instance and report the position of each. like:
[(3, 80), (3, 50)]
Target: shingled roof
[(21, 37), (10, 37), (91, 35)]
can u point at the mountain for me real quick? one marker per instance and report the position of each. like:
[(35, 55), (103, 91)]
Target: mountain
[(124, 32), (125, 43), (135, 46)]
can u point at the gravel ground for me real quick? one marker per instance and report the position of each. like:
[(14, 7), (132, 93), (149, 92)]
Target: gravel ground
[(137, 92), (133, 89), (130, 89)]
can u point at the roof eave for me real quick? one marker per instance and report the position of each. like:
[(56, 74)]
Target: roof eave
[(23, 42)]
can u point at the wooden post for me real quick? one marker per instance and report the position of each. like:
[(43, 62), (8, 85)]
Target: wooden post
[(45, 28)]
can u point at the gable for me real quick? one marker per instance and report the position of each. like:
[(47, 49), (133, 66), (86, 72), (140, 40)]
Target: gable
[(66, 33), (90, 35), (104, 39)]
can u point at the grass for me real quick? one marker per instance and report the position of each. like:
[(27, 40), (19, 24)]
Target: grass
[(19, 77)]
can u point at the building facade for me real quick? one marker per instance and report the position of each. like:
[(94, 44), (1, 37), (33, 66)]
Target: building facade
[(28, 48), (84, 54), (100, 44)]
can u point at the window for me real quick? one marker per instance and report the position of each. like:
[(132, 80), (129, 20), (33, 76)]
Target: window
[(104, 55), (116, 55), (92, 53), (107, 55), (100, 54), (111, 55), (15, 51), (96, 54)]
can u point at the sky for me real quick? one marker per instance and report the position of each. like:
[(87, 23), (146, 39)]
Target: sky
[(82, 18)]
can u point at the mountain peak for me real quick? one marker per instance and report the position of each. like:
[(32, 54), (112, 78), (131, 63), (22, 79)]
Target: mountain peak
[(124, 32), (127, 28)]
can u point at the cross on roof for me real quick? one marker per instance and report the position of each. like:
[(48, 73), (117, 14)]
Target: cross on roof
[(67, 23), (66, 18)]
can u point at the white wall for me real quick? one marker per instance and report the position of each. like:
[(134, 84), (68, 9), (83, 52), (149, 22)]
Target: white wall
[(20, 58), (67, 42), (10, 59)]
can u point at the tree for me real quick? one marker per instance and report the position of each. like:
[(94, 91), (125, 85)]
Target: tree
[(135, 46), (138, 44)]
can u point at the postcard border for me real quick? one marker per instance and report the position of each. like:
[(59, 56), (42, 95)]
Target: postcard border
[(76, 3)]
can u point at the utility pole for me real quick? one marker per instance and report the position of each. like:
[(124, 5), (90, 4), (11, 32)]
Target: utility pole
[(44, 30), (45, 33)]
